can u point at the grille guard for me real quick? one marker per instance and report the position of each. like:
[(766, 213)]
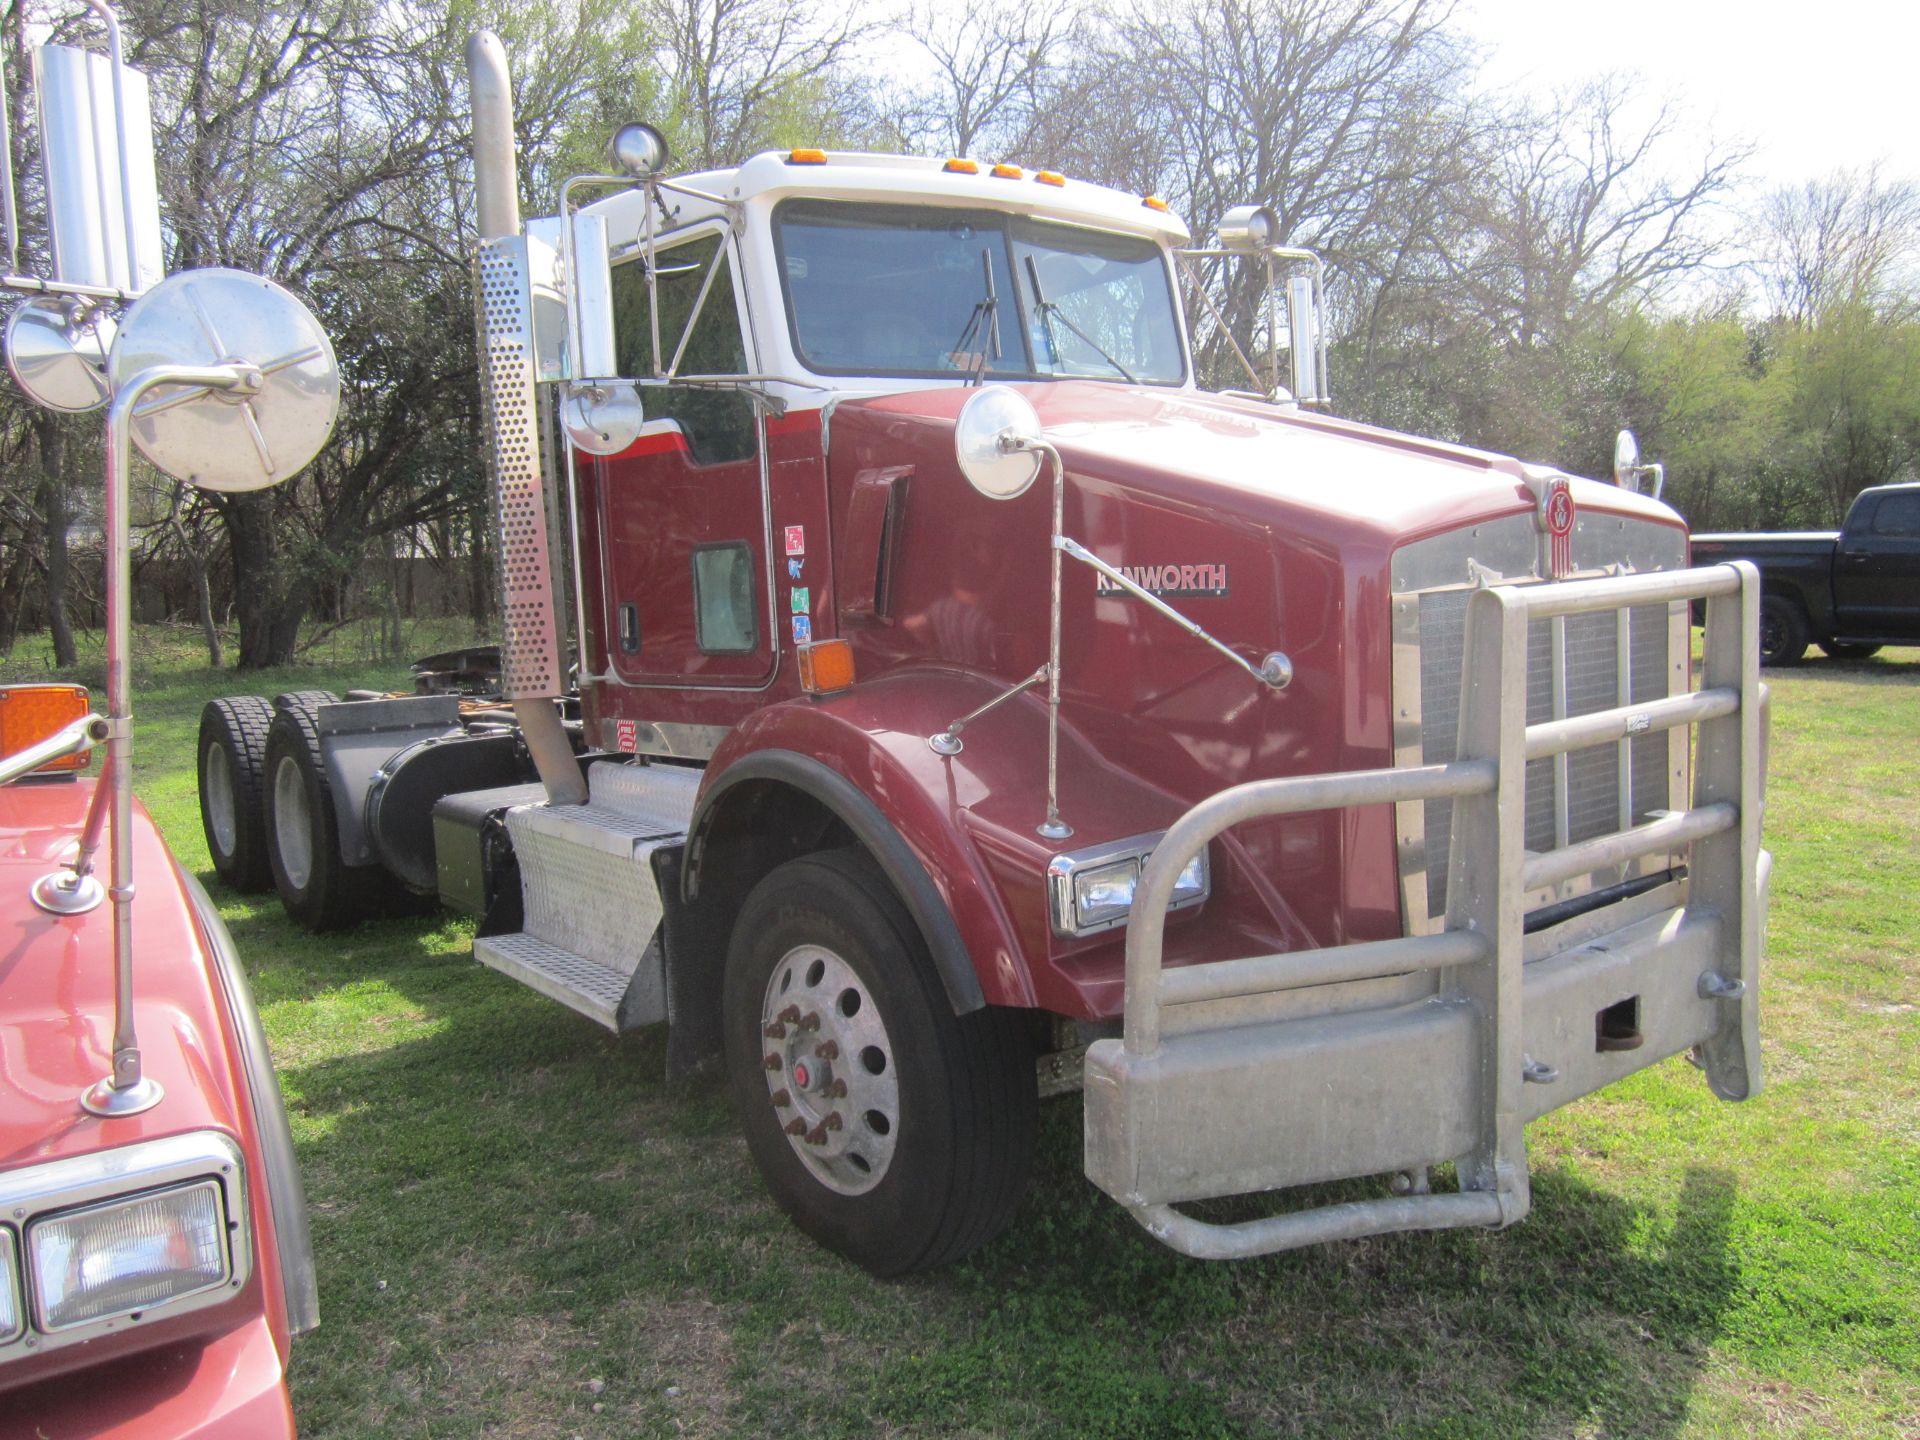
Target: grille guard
[(1207, 1093)]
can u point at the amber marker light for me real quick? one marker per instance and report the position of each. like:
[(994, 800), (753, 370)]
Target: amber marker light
[(826, 666), (32, 713), (806, 157), (1049, 177), (962, 167), (1154, 202), (1008, 172)]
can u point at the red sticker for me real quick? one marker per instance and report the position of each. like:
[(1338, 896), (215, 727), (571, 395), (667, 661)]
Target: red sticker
[(626, 736), (796, 539)]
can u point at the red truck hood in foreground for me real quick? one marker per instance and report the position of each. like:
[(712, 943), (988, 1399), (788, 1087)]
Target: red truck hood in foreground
[(214, 1372)]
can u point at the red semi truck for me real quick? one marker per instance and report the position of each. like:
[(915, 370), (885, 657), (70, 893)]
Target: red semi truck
[(967, 707)]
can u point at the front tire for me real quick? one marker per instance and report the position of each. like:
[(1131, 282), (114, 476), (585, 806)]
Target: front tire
[(232, 764), (889, 1129), (1783, 631), (319, 890)]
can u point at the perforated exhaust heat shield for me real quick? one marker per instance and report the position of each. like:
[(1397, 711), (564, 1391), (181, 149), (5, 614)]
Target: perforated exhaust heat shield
[(530, 645)]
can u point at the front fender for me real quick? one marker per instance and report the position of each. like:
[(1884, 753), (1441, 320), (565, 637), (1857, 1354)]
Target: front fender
[(956, 835)]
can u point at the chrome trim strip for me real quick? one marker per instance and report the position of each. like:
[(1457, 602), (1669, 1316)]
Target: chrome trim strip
[(286, 1197), (671, 738), (31, 1192)]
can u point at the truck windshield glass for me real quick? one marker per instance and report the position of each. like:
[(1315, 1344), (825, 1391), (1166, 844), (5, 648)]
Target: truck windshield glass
[(926, 291)]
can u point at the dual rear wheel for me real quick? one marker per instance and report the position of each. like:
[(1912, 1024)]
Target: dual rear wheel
[(267, 811)]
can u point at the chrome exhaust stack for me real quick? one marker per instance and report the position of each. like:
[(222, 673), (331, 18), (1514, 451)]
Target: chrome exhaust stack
[(531, 676)]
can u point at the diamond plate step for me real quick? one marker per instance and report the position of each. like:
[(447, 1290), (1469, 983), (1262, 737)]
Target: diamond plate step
[(586, 878), (575, 981), (660, 796)]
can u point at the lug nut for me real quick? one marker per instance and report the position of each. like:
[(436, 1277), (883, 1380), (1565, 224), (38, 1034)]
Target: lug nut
[(772, 1062), (796, 1126), (810, 1020), (781, 1099), (827, 1050), (818, 1134), (832, 1122), (837, 1090), (774, 1030), (791, 1014)]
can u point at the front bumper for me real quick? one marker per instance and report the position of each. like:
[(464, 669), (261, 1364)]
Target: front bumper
[(1251, 1075)]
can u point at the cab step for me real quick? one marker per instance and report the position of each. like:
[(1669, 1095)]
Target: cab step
[(591, 936)]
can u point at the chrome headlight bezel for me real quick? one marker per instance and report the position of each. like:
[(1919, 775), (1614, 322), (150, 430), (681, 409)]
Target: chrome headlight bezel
[(38, 1194), (1069, 874), (13, 1294)]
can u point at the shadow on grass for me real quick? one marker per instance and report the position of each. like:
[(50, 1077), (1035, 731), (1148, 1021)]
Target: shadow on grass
[(511, 1138)]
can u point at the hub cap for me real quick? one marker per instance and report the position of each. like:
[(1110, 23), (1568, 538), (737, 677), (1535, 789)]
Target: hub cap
[(830, 1069), (292, 830), (220, 798)]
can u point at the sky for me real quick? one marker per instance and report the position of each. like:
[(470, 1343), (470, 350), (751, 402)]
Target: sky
[(1814, 86)]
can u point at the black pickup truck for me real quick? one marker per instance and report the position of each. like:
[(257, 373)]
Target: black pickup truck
[(1849, 590)]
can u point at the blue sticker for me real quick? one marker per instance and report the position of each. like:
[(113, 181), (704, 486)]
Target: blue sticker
[(802, 600), (793, 569), (802, 630)]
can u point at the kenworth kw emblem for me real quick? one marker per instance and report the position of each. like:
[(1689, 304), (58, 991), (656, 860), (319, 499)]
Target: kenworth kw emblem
[(1170, 580), (1555, 518)]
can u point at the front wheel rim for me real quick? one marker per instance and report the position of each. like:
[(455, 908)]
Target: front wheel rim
[(221, 818), (292, 826), (829, 1062)]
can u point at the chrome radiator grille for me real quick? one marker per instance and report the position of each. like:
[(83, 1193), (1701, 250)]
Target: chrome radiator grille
[(1575, 797)]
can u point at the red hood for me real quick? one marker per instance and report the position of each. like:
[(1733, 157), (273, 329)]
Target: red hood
[(1252, 458), (56, 992)]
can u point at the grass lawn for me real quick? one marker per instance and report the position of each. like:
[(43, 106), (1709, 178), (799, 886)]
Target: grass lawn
[(523, 1230)]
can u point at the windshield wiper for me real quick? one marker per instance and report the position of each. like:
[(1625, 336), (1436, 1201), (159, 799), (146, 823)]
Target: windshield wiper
[(1048, 310), (984, 315)]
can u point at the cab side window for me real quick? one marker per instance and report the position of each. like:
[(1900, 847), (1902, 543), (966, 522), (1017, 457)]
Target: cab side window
[(718, 424), (1898, 515), (723, 598)]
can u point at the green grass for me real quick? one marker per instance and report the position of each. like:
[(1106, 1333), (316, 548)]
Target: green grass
[(510, 1204)]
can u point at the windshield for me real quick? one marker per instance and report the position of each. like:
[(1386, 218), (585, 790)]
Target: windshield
[(921, 290)]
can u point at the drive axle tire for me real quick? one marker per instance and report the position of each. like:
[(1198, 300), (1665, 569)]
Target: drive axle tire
[(1783, 631), (889, 1129), (1845, 650), (232, 764), (319, 890)]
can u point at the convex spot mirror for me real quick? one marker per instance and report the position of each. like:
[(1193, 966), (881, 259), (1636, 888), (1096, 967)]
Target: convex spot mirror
[(1626, 461), (993, 439), (235, 440), (639, 150)]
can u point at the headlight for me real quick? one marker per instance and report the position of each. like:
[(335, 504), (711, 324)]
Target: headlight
[(11, 1310), (1092, 890), (127, 1255), (1104, 894), (99, 1242)]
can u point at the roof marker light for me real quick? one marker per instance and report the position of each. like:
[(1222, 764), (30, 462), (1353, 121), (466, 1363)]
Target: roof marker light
[(1008, 172), (962, 167), (806, 157), (1154, 202), (1049, 177)]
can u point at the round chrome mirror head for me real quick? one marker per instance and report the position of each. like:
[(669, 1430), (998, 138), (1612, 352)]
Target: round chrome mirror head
[(233, 440), (1249, 228), (993, 440), (57, 351), (603, 418), (1626, 460), (639, 150)]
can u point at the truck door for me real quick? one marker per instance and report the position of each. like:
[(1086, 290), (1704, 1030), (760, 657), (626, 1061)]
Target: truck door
[(682, 512), (1876, 580)]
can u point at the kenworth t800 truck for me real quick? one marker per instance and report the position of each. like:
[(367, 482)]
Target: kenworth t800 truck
[(967, 707)]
